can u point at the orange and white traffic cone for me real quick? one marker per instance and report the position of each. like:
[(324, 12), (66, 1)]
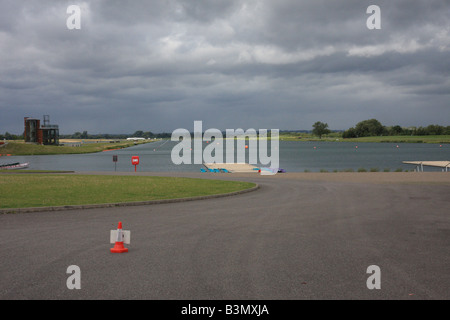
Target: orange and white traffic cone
[(119, 247)]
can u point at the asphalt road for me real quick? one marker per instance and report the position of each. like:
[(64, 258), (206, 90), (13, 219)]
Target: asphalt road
[(291, 239)]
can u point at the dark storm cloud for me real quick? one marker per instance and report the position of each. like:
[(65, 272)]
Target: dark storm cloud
[(159, 65)]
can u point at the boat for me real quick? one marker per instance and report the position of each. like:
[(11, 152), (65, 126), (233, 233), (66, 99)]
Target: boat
[(14, 166), (267, 171), (270, 171)]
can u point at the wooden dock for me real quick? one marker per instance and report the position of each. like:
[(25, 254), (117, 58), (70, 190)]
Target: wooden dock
[(445, 165), (233, 167)]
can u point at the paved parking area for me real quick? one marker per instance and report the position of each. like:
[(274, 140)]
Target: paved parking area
[(294, 238)]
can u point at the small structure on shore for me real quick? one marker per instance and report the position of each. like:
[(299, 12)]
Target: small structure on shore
[(46, 134), (233, 167), (445, 165)]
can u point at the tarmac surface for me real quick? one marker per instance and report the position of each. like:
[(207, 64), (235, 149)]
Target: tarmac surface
[(299, 236)]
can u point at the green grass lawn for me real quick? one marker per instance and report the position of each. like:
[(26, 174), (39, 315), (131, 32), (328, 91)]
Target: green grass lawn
[(21, 148), (392, 139), (402, 139), (40, 190), (31, 171)]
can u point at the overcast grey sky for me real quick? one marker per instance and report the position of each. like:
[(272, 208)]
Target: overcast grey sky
[(275, 64)]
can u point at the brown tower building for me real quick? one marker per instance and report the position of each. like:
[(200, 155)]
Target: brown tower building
[(46, 134)]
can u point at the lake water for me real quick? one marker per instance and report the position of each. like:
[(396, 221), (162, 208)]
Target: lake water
[(294, 156)]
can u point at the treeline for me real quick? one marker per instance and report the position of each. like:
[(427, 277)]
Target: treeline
[(366, 128), (9, 136), (373, 127), (86, 135), (137, 134)]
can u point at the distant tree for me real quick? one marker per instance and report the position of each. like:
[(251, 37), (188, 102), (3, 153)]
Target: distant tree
[(320, 129), (434, 129), (411, 131), (421, 131), (148, 134), (138, 134), (350, 133), (163, 135), (371, 127), (396, 130)]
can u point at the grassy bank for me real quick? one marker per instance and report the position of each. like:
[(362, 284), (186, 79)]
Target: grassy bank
[(403, 139), (21, 148), (37, 190), (378, 139), (6, 171)]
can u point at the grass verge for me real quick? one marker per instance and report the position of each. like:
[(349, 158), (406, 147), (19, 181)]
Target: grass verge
[(387, 139), (6, 171), (403, 139), (37, 190), (21, 148)]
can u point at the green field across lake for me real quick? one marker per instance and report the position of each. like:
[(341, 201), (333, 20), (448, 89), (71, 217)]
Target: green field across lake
[(20, 148), (337, 137), (17, 148), (42, 190)]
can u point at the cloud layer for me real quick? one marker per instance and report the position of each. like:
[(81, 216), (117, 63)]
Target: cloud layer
[(160, 65)]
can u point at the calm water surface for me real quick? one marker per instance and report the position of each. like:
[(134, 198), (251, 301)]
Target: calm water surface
[(294, 157)]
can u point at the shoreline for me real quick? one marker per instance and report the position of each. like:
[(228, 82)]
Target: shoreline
[(26, 149), (344, 177), (373, 177), (361, 177)]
